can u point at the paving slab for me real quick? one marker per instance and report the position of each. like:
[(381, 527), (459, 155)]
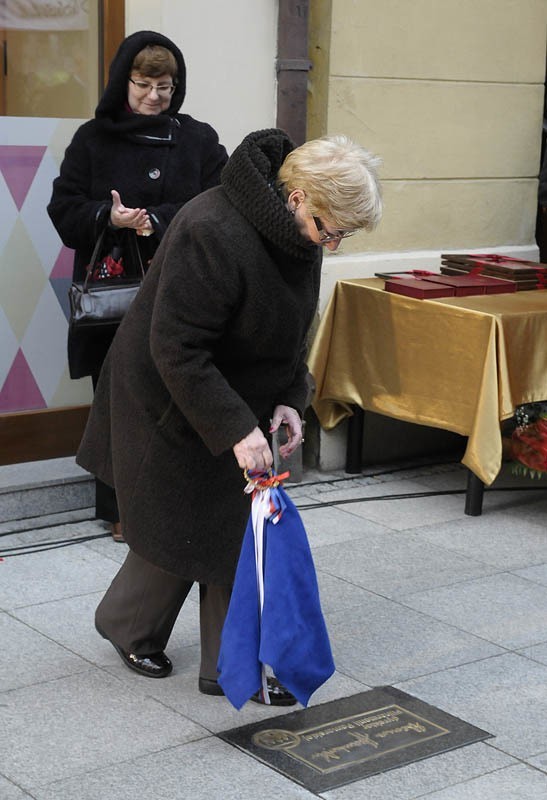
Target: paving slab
[(46, 521), (505, 695), (512, 783), (105, 732), (42, 534), (382, 642), (71, 623), (32, 657), (73, 725), (338, 594), (180, 692), (8, 791), (205, 769), (336, 525), (52, 575), (536, 653), (424, 777), (403, 514), (539, 761), (530, 508), (536, 573), (493, 538), (397, 564), (504, 608), (354, 489)]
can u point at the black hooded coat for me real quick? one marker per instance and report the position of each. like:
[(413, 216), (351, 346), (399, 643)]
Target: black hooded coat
[(154, 162), (215, 339)]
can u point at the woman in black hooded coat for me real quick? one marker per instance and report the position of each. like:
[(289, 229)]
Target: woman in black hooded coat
[(209, 359), (154, 159)]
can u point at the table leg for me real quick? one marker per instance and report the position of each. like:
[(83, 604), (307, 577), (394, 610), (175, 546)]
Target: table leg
[(354, 440), (474, 495)]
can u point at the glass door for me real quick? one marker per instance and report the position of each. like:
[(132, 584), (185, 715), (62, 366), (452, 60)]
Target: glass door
[(51, 54)]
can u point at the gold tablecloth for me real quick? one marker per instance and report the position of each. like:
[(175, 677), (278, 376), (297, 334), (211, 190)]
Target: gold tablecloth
[(461, 364)]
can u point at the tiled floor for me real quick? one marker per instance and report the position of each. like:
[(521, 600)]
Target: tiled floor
[(449, 608)]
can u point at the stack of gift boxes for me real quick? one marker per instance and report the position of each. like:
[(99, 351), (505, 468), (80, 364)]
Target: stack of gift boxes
[(463, 275)]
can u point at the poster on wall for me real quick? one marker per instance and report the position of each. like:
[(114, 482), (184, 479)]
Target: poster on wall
[(44, 15)]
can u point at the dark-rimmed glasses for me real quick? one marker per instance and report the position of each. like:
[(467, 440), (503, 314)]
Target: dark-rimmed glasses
[(163, 89), (325, 236)]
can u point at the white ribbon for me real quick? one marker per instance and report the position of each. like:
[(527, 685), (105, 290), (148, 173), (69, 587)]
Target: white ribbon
[(260, 512)]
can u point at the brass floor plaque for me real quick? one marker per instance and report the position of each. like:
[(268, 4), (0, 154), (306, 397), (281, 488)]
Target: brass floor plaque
[(326, 746)]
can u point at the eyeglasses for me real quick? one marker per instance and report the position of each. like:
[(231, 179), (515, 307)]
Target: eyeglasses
[(325, 236), (164, 89)]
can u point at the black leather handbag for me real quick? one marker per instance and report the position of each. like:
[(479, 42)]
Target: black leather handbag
[(106, 293)]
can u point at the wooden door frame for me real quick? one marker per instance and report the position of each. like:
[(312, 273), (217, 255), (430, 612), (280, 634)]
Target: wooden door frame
[(112, 23), (56, 432)]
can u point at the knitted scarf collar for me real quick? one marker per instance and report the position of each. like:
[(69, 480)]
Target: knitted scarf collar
[(249, 181)]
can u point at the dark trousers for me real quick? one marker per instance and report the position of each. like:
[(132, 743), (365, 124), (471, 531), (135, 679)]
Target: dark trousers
[(106, 504), (141, 606)]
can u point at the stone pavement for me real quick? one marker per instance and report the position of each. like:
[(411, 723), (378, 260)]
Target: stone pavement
[(417, 595)]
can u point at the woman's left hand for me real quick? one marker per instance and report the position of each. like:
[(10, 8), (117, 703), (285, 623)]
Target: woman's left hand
[(290, 418)]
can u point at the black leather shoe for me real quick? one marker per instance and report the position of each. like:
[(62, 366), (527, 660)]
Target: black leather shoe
[(279, 696), (208, 686), (154, 665)]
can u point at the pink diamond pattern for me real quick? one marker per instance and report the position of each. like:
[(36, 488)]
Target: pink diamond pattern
[(33, 361), (20, 391), (63, 266), (18, 164)]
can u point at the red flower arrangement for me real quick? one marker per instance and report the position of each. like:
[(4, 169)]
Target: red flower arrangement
[(529, 440)]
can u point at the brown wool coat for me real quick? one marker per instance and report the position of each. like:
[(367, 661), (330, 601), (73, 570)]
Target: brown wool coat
[(215, 339)]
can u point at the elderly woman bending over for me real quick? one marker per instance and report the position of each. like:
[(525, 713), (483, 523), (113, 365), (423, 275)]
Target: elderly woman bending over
[(208, 362)]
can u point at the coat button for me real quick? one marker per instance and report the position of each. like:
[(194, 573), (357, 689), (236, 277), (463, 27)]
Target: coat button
[(154, 174)]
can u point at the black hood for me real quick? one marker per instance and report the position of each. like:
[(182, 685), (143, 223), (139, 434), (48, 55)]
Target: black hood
[(249, 181), (112, 108)]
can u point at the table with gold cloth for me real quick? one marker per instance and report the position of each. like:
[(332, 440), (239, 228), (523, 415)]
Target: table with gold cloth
[(458, 363)]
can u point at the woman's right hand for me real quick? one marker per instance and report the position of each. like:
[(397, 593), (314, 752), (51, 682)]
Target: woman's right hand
[(253, 452), (122, 217)]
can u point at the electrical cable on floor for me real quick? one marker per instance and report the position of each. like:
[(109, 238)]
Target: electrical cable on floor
[(42, 547), (408, 467), (364, 474), (410, 495), (44, 527)]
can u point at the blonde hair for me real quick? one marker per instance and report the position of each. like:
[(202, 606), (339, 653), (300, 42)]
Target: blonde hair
[(339, 178), (155, 60)]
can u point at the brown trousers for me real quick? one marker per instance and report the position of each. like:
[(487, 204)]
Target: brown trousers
[(142, 604)]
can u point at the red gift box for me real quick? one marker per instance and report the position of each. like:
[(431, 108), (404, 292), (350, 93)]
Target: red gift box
[(422, 289), (489, 259), (497, 285), (517, 271), (463, 285), (517, 284), (466, 285)]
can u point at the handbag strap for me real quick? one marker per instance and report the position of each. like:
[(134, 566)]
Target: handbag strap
[(97, 249), (94, 256), (136, 249)]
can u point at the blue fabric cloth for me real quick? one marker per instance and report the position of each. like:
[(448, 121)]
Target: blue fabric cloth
[(291, 636)]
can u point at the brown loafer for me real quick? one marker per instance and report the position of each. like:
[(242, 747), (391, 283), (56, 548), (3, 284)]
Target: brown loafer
[(116, 530)]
